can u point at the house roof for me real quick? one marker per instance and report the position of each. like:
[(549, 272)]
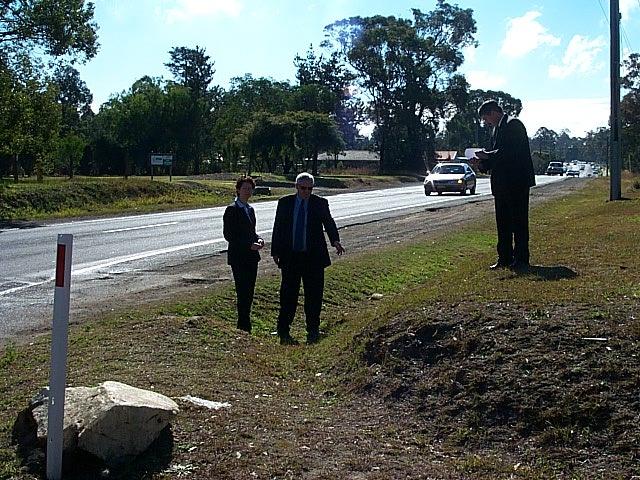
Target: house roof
[(446, 154), (353, 156)]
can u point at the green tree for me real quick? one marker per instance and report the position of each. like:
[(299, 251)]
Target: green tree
[(630, 113), (43, 126), (132, 125), (74, 97), (57, 28), (235, 118), (15, 116), (545, 141), (313, 98), (316, 133), (464, 129), (31, 33), (596, 145), (407, 69), (193, 69), (332, 74), (28, 123), (69, 153), (266, 140)]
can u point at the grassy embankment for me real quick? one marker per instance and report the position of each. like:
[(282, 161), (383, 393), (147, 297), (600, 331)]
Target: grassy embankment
[(90, 196), (456, 372)]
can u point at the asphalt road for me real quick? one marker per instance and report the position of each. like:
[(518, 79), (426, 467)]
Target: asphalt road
[(103, 248)]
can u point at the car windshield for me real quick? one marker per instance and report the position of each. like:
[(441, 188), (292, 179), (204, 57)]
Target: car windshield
[(449, 169)]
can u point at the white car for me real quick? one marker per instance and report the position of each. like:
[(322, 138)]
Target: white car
[(450, 177)]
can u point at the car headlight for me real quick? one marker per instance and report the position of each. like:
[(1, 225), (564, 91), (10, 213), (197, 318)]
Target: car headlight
[(459, 180)]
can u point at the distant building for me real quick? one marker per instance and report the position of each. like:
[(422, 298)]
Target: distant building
[(446, 155), (351, 159)]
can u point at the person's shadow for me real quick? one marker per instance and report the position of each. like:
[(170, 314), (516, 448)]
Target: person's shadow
[(557, 272)]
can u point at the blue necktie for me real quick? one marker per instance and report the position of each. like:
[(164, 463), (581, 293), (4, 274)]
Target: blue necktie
[(298, 236)]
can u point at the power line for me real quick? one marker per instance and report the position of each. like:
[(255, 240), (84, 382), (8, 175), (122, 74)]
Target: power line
[(626, 39), (624, 33), (604, 12)]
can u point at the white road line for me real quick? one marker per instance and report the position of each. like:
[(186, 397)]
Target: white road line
[(152, 253), (116, 261), (140, 228), (22, 287), (403, 207)]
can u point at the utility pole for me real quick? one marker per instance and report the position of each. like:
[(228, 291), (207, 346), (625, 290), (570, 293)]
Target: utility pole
[(615, 161)]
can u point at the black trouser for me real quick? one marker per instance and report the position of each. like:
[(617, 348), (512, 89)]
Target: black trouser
[(312, 277), (244, 276), (512, 221)]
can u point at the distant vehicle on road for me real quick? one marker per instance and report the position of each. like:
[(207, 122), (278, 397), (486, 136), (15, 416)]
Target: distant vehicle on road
[(573, 172), (555, 168), (450, 177)]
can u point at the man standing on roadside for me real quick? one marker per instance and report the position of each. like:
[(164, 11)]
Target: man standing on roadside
[(299, 248), (509, 161)]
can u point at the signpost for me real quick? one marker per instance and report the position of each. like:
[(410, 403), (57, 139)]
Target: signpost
[(161, 160), (58, 373)]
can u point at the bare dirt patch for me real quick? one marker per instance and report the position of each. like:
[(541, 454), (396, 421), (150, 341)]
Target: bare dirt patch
[(487, 379)]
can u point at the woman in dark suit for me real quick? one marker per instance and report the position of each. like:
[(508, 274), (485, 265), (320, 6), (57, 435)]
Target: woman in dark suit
[(239, 224)]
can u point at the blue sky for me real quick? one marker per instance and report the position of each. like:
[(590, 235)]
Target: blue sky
[(552, 54)]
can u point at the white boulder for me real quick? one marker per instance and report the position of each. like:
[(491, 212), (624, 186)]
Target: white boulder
[(112, 421)]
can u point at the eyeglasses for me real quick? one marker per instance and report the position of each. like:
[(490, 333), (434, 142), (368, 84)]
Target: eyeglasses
[(303, 188)]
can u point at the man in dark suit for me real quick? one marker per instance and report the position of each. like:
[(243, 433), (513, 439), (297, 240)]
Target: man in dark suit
[(239, 229), (509, 161), (299, 248)]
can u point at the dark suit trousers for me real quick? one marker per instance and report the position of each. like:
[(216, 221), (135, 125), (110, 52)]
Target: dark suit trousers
[(244, 277), (312, 277), (512, 221)]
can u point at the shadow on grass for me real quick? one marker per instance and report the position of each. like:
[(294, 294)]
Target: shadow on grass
[(548, 273), (83, 466), (21, 224)]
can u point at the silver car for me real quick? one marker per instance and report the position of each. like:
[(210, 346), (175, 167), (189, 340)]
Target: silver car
[(450, 177)]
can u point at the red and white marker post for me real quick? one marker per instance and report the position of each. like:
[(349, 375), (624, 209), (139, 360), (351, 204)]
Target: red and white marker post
[(58, 374)]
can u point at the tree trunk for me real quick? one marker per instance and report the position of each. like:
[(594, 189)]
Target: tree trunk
[(127, 166), (314, 165), (382, 152), (16, 176), (39, 171)]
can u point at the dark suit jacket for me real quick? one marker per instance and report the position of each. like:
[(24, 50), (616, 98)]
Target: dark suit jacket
[(510, 158), (240, 232), (318, 215)]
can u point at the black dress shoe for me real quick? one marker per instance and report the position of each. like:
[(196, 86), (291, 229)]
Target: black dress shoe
[(313, 338), (519, 266), (245, 328), (498, 264), (288, 340)]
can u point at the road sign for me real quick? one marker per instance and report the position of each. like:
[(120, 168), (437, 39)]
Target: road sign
[(162, 160)]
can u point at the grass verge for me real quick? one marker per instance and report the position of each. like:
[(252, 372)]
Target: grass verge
[(432, 367), (90, 196)]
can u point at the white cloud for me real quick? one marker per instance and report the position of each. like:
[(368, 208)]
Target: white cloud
[(626, 7), (483, 80), (578, 115), (525, 34), (184, 10), (469, 53), (579, 57)]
